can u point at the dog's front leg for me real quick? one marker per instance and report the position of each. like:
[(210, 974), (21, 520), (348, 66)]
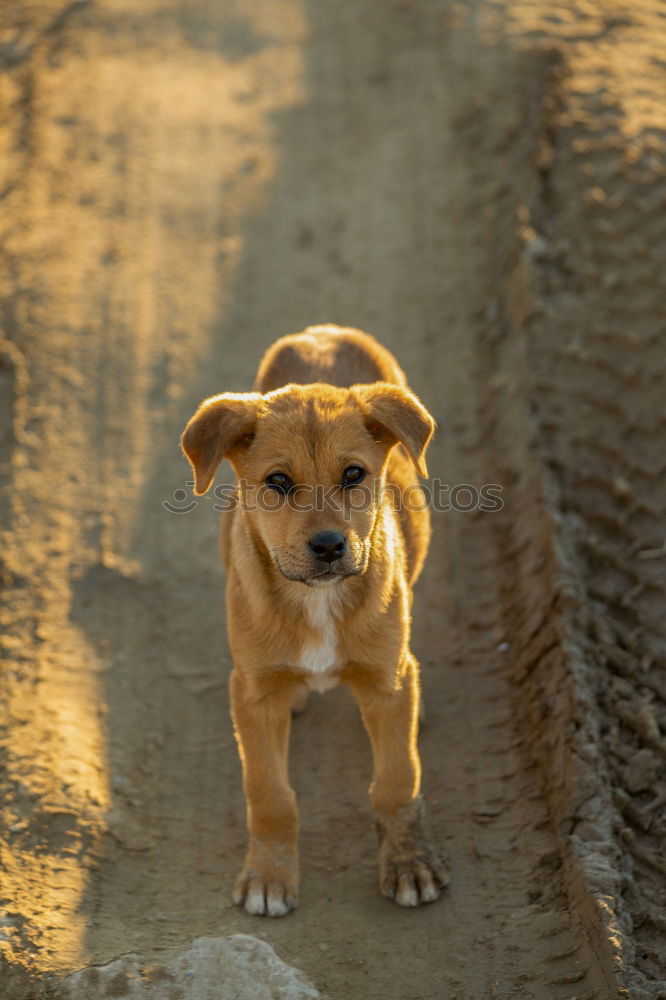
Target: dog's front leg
[(268, 882), (410, 872)]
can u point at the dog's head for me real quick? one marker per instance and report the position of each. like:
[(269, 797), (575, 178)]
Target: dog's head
[(311, 463)]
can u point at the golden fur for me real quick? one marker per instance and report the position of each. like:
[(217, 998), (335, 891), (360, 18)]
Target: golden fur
[(324, 400)]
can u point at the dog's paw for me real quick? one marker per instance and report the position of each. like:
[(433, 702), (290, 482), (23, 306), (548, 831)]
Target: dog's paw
[(263, 896), (410, 870), (412, 881), (268, 883)]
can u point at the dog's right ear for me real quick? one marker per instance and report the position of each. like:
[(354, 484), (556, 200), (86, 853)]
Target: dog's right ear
[(221, 424), (395, 413)]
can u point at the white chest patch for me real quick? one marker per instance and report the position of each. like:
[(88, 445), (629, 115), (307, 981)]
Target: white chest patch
[(319, 655)]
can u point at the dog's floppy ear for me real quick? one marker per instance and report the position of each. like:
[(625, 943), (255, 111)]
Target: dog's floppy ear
[(393, 412), (220, 423)]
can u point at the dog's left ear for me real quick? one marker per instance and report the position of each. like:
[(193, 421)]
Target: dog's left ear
[(396, 413), (220, 425)]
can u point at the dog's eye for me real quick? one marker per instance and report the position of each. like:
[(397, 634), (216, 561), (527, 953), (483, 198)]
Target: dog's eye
[(279, 481), (353, 475)]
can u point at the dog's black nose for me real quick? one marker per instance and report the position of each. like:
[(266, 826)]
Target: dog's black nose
[(328, 546)]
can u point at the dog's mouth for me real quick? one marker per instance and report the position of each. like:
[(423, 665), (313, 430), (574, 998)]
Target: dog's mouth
[(323, 576), (317, 579)]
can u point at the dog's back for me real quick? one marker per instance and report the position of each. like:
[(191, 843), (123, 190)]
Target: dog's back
[(340, 356)]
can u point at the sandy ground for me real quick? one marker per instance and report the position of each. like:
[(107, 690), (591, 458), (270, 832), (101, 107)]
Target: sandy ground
[(482, 185)]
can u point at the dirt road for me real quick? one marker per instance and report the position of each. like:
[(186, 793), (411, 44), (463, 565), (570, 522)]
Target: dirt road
[(482, 185)]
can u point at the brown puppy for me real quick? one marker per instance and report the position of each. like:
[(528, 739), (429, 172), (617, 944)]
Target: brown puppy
[(321, 553)]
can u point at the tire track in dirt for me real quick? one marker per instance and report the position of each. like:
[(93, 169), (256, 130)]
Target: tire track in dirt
[(587, 293), (558, 667), (600, 387)]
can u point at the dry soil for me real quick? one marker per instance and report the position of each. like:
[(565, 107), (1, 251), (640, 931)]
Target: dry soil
[(481, 184)]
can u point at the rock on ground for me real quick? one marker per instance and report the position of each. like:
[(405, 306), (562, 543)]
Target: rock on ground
[(240, 967)]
